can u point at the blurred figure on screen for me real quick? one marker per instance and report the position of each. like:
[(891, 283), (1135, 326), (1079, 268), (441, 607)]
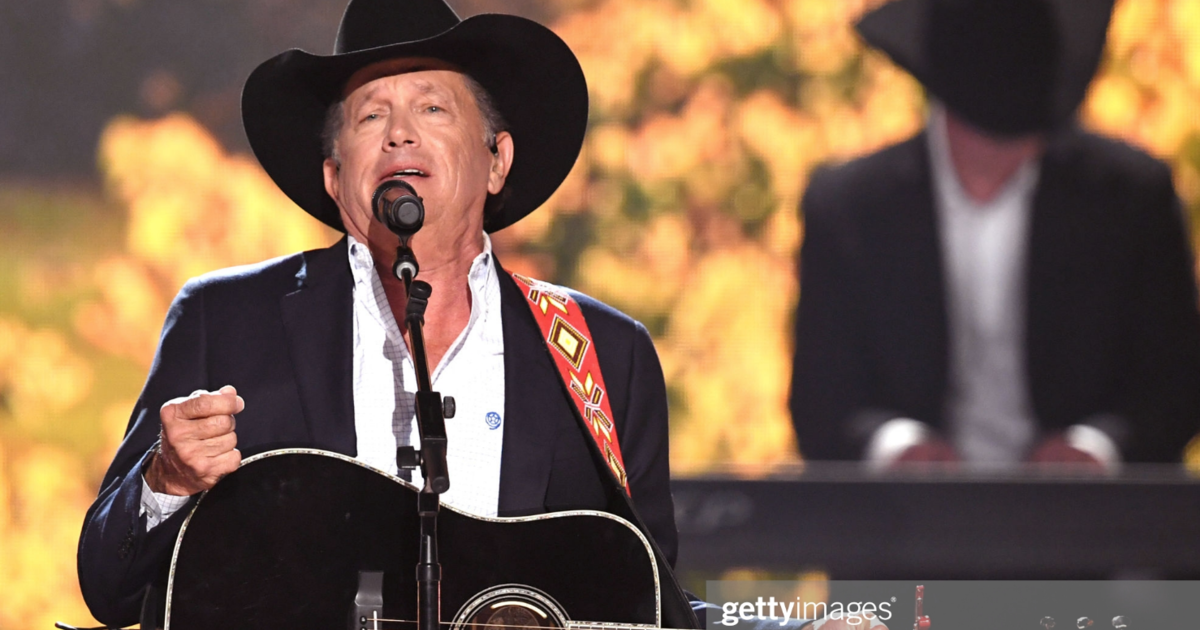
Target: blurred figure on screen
[(1003, 286)]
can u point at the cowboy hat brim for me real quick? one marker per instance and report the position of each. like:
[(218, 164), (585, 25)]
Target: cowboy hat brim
[(534, 79), (901, 29)]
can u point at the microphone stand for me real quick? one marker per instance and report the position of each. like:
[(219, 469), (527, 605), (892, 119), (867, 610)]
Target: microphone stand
[(432, 457)]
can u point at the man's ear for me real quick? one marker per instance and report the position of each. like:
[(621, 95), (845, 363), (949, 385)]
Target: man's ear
[(501, 163), (330, 169)]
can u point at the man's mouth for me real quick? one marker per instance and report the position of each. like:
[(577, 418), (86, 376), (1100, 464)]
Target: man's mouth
[(408, 172)]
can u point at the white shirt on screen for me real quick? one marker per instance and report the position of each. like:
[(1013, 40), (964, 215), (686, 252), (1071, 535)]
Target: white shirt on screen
[(989, 414)]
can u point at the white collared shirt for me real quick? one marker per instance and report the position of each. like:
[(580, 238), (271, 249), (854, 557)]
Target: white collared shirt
[(472, 371), (984, 246)]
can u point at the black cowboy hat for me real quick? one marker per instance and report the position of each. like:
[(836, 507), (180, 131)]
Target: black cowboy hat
[(1010, 67), (534, 80)]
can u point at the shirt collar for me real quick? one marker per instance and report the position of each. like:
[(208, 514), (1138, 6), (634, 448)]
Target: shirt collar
[(362, 263), (482, 272), (945, 179)]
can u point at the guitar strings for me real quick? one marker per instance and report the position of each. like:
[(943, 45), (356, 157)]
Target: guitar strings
[(573, 625), (451, 623)]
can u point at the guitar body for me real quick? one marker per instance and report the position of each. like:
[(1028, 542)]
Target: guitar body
[(280, 544)]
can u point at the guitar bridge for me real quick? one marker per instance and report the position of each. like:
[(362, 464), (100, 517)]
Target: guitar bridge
[(367, 610)]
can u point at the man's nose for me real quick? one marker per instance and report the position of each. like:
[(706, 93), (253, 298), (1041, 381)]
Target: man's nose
[(401, 131)]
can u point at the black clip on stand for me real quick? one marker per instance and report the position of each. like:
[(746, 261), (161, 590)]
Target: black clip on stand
[(397, 205)]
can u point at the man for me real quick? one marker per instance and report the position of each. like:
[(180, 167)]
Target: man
[(484, 118), (1002, 286)]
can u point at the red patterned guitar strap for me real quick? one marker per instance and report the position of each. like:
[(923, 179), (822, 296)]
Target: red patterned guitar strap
[(570, 342)]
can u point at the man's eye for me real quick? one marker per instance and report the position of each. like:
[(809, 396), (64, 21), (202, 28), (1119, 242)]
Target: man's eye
[(433, 108), (371, 117)]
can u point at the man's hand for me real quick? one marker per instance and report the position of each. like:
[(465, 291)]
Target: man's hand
[(1056, 450), (933, 453), (198, 445)]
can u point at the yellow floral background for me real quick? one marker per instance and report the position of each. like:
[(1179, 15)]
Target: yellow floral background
[(707, 117)]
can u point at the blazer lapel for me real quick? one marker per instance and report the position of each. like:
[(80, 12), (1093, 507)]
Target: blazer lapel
[(929, 280), (1052, 274), (912, 284), (318, 318), (532, 400)]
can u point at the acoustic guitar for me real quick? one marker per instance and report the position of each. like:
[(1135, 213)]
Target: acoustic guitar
[(292, 538)]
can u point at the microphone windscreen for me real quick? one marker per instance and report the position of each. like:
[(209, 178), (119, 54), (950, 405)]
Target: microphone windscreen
[(396, 205)]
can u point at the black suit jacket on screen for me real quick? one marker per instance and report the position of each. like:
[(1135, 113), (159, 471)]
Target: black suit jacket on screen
[(1111, 313), (281, 333)]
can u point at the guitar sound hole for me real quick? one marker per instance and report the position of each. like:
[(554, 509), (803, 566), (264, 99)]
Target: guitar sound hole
[(510, 607), (509, 615)]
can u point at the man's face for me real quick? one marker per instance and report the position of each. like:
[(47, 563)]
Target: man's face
[(416, 120)]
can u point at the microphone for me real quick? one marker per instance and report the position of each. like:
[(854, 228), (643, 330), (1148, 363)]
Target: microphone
[(398, 207)]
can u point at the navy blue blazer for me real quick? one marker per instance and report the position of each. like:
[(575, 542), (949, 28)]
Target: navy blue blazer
[(1112, 325), (280, 332)]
